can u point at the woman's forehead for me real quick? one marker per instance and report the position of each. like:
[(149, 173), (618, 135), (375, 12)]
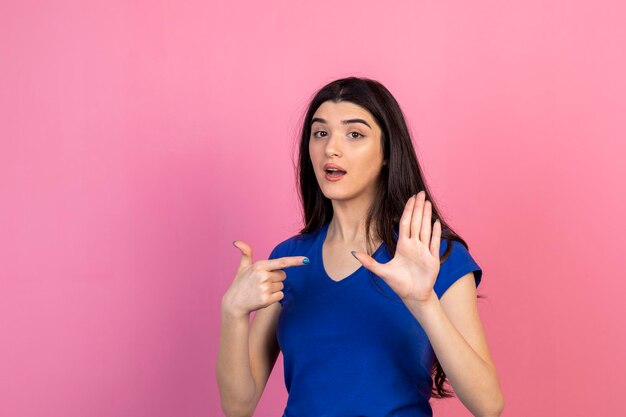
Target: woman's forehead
[(330, 112)]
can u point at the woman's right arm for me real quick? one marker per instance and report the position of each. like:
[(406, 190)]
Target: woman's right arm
[(247, 352), (246, 358)]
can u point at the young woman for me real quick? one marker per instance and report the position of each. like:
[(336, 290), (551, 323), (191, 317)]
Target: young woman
[(373, 302)]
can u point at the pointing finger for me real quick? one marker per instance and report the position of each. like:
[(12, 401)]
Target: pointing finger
[(284, 262)]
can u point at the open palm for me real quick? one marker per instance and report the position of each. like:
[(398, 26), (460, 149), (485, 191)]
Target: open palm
[(414, 268)]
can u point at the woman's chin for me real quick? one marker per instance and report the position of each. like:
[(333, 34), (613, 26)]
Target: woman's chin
[(337, 196)]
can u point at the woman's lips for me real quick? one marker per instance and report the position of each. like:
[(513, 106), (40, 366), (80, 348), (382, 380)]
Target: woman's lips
[(334, 178)]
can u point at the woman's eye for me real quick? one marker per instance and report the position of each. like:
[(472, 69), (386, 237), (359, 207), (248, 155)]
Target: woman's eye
[(351, 134)]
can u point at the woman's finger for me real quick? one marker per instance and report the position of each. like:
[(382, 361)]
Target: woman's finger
[(284, 262), (276, 286), (436, 239), (405, 220), (370, 263), (277, 275), (426, 228), (246, 253), (416, 219)]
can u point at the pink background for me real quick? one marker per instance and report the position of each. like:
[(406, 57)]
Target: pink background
[(139, 138)]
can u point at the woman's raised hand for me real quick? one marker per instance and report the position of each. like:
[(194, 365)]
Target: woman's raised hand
[(257, 284), (414, 268)]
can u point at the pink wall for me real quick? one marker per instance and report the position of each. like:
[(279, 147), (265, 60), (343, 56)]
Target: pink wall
[(140, 138)]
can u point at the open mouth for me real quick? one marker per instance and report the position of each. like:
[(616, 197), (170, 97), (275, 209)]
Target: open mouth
[(335, 173)]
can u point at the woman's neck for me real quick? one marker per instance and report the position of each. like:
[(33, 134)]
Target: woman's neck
[(348, 223)]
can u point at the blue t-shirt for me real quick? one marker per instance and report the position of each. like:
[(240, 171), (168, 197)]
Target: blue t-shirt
[(352, 347)]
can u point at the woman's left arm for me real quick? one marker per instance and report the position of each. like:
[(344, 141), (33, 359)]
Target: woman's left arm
[(452, 322), (455, 331)]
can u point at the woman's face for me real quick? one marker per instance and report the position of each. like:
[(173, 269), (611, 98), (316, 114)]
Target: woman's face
[(346, 135)]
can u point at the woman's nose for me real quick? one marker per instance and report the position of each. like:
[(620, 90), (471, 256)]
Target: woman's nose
[(332, 145)]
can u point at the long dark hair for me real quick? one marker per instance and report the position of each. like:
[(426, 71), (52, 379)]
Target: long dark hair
[(400, 178)]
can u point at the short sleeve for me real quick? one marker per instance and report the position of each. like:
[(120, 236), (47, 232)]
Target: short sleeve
[(274, 253), (459, 263)]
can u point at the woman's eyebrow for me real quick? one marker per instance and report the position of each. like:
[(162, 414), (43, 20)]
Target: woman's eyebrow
[(345, 122)]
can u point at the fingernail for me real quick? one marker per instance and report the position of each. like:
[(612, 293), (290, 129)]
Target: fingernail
[(353, 254), (305, 261), (234, 244)]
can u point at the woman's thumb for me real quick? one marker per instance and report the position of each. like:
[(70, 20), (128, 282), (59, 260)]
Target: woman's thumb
[(246, 252), (368, 262)]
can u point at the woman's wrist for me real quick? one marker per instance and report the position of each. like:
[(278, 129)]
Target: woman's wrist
[(230, 311), (421, 307)]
